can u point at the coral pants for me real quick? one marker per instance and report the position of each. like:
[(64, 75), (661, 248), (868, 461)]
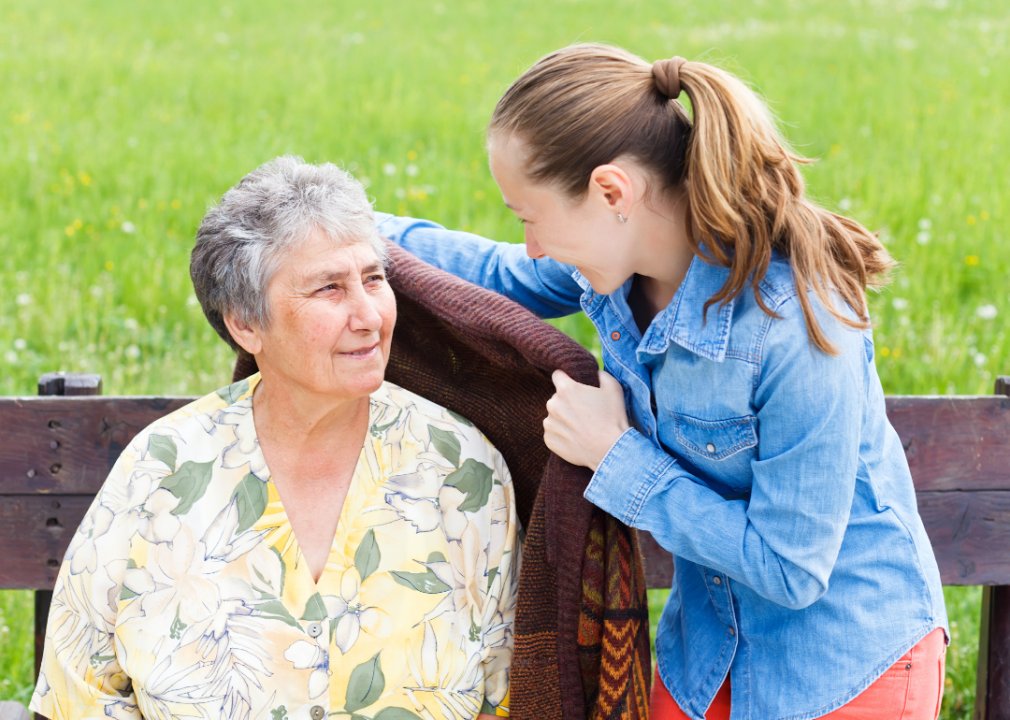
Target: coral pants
[(911, 689)]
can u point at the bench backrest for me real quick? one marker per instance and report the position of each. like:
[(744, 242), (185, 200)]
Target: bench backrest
[(57, 451)]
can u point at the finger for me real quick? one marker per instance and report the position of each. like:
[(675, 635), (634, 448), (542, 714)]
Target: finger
[(561, 379), (609, 382)]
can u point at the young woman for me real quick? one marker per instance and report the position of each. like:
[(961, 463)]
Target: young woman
[(741, 420)]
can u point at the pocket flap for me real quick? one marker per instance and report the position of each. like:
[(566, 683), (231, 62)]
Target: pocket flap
[(716, 439)]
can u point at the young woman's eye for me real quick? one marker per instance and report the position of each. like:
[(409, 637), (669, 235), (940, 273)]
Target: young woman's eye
[(521, 221)]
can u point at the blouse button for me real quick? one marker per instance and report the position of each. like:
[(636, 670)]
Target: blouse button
[(317, 712), (615, 335), (732, 631), (717, 580), (710, 447), (315, 629)]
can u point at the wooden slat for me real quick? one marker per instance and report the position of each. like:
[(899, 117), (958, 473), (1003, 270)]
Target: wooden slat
[(957, 444), (970, 533), (35, 531), (954, 443), (67, 445)]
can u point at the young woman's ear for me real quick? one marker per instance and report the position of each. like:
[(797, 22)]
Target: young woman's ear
[(245, 335), (613, 187)]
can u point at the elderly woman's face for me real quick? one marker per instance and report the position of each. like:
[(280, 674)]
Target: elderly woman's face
[(332, 314)]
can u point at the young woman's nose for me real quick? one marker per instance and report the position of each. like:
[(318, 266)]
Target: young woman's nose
[(533, 248)]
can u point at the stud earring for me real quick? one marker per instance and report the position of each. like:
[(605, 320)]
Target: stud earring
[(621, 218)]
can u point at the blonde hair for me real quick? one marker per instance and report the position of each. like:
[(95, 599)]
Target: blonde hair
[(589, 104)]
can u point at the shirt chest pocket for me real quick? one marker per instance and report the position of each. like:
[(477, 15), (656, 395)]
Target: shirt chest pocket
[(722, 449)]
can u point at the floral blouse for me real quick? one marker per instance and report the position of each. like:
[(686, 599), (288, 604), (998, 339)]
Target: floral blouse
[(184, 593)]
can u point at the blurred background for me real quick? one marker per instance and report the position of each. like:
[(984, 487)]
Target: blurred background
[(120, 123)]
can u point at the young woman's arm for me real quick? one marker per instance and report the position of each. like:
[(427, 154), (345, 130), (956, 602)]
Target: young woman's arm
[(545, 287), (783, 542)]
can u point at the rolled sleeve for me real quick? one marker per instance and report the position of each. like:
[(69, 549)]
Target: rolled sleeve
[(545, 286), (632, 456)]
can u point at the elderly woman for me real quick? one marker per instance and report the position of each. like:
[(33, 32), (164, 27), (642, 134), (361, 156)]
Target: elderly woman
[(312, 542)]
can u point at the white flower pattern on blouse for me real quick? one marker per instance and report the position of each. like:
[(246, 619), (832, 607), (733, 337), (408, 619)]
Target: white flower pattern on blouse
[(184, 593)]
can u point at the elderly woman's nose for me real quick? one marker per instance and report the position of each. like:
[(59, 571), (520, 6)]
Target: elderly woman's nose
[(365, 314)]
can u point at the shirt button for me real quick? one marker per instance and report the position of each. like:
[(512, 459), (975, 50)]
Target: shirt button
[(317, 712), (615, 335), (732, 631), (315, 629), (717, 580), (710, 447)]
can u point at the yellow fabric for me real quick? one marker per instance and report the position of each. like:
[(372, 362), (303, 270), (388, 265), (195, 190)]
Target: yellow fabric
[(184, 593)]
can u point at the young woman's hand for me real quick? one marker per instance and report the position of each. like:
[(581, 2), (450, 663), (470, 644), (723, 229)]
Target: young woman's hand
[(583, 422)]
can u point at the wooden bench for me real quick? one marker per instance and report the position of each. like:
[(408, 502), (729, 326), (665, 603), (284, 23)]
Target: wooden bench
[(58, 448)]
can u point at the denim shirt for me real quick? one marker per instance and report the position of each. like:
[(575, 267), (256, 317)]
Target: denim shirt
[(765, 466)]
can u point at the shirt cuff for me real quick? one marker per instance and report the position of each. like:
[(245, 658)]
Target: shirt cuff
[(626, 476)]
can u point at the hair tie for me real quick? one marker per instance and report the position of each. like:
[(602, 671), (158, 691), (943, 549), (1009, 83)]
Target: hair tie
[(667, 76)]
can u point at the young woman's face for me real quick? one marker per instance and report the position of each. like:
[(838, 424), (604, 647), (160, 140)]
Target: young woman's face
[(583, 233)]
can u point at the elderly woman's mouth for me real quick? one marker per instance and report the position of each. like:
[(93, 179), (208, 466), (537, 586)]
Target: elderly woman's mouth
[(362, 353)]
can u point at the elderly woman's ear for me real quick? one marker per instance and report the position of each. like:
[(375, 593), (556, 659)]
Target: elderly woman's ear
[(244, 334)]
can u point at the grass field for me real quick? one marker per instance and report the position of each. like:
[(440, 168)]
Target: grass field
[(121, 122)]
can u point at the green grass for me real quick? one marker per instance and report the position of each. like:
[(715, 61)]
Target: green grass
[(17, 645), (121, 122)]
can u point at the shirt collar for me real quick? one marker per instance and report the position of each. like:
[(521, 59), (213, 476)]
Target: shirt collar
[(683, 320)]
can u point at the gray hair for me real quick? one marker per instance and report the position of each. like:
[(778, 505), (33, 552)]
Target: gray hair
[(276, 206)]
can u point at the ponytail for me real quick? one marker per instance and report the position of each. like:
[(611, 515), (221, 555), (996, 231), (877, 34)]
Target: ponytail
[(746, 195), (587, 105)]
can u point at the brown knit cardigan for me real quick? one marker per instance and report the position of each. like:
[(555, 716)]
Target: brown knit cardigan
[(582, 620)]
